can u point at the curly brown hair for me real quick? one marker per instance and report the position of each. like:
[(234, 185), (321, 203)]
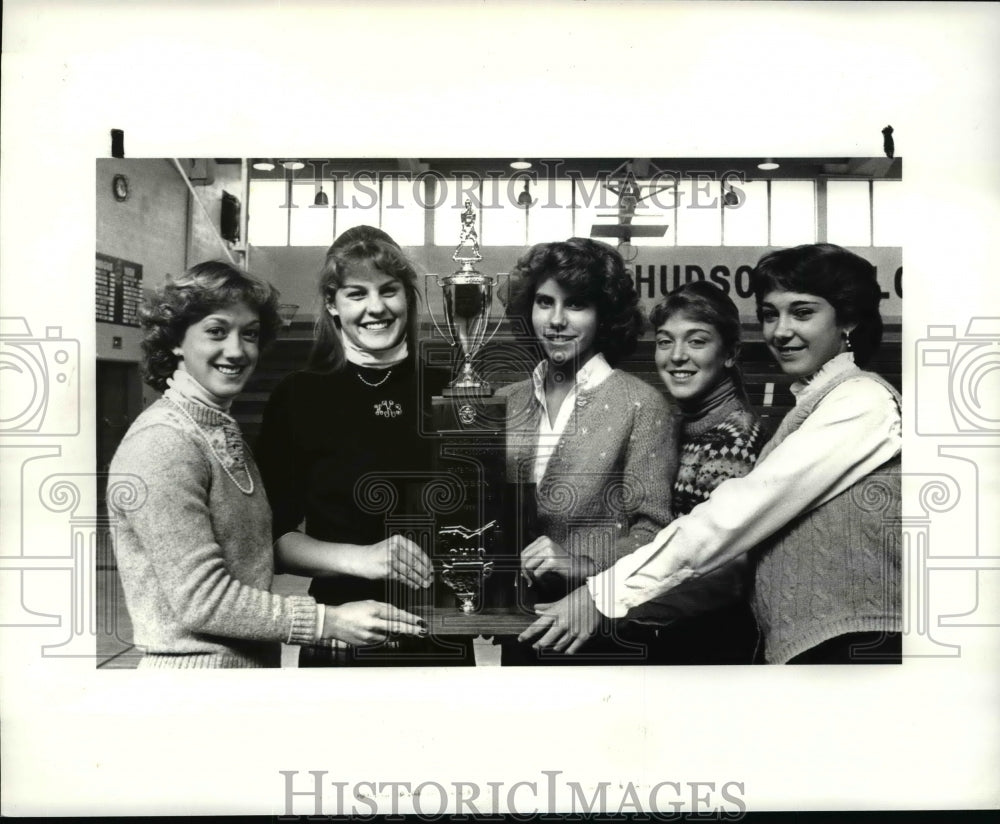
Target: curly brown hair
[(591, 271), (182, 301)]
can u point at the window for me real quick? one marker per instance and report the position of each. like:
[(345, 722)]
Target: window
[(402, 212), (793, 212), (889, 213), (848, 213), (267, 214), (698, 220), (746, 224), (310, 225), (357, 203)]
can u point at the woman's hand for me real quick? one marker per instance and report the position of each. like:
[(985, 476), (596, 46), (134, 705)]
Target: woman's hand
[(363, 623), (544, 556), (394, 559), (565, 625)]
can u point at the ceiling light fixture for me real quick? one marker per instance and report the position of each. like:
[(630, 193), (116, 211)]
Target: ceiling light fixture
[(293, 165), (520, 164), (768, 164), (263, 165), (321, 199), (524, 199)]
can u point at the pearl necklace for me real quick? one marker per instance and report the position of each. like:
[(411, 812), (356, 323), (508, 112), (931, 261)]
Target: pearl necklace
[(374, 385), (218, 457)]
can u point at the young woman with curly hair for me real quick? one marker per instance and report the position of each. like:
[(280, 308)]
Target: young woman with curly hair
[(598, 444), (193, 542)]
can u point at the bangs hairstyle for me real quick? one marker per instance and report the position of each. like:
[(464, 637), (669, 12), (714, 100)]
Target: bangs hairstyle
[(589, 271), (167, 314), (843, 279), (703, 302), (361, 243)]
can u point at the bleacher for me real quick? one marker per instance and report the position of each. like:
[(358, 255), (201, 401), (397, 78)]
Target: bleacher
[(503, 361)]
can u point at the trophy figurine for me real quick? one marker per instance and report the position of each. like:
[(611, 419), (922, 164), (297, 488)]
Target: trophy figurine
[(466, 569), (468, 301)]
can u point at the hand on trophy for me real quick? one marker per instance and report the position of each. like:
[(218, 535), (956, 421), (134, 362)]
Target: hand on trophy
[(566, 625), (370, 622), (395, 559), (544, 556)]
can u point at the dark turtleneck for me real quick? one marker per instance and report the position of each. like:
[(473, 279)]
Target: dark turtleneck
[(720, 439), (699, 414)]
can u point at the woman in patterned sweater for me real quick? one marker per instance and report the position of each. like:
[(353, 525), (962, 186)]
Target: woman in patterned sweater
[(697, 350)]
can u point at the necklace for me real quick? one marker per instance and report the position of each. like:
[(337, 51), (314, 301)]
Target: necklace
[(214, 452), (376, 384)]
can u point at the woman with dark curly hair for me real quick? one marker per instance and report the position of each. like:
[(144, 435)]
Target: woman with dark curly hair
[(818, 510), (598, 444), (354, 413), (194, 544)]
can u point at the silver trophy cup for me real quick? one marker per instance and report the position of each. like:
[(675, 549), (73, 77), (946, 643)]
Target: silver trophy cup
[(468, 303)]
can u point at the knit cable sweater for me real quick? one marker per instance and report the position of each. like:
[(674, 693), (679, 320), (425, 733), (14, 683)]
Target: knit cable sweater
[(835, 569), (606, 489), (194, 551)]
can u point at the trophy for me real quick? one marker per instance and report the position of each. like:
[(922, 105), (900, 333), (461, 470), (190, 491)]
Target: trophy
[(470, 423), (468, 301), (466, 569)]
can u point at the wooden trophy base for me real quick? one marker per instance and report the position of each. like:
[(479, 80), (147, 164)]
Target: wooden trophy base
[(472, 449)]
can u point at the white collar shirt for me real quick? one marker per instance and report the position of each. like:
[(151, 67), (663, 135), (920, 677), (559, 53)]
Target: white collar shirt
[(594, 372)]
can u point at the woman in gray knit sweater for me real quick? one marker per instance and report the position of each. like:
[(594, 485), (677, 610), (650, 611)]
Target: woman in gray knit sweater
[(598, 444), (193, 539)]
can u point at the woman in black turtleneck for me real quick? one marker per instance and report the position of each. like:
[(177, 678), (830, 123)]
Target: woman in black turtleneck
[(338, 434), (697, 347)]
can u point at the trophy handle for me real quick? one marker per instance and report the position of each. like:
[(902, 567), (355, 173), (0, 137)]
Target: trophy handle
[(496, 294), (451, 340)]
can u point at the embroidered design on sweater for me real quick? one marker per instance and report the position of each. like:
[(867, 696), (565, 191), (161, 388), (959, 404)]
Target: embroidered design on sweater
[(223, 436), (388, 409)]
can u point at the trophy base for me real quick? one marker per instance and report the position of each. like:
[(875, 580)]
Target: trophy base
[(482, 390), (469, 414)]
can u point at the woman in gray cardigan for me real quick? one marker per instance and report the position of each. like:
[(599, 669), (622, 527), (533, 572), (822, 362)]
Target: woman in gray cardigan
[(598, 444)]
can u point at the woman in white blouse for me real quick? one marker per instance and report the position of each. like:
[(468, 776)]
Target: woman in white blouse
[(598, 444), (817, 511)]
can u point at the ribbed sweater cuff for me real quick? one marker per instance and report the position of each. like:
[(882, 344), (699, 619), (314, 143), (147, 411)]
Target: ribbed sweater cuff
[(304, 620), (200, 660)]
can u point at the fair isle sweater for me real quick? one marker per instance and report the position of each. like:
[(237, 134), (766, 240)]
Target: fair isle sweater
[(194, 551), (724, 444), (606, 489), (835, 569)]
